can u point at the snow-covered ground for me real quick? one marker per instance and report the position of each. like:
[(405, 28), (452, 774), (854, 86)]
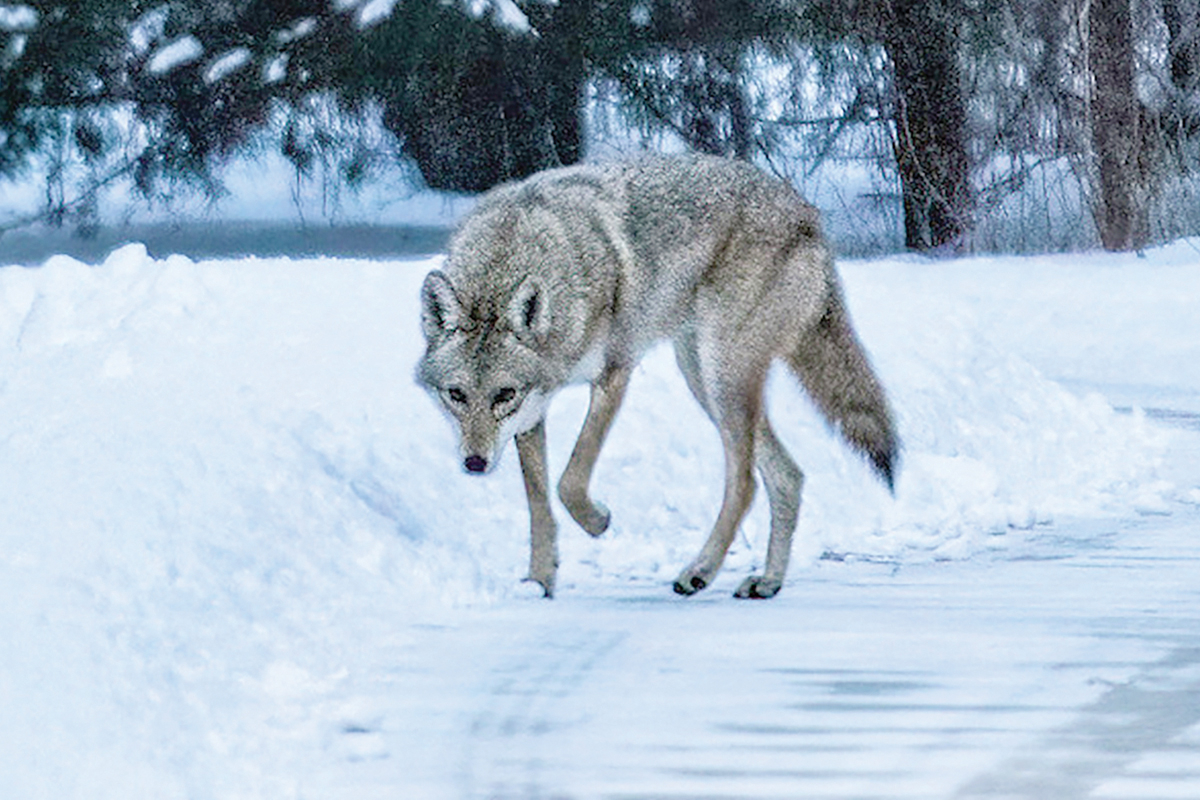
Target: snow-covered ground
[(238, 558)]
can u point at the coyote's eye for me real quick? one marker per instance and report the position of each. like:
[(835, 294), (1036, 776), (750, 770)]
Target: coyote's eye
[(503, 396), (457, 396)]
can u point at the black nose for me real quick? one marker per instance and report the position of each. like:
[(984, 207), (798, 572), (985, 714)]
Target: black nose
[(475, 463)]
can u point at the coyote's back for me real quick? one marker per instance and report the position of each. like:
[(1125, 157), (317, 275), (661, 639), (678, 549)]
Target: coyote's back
[(574, 273)]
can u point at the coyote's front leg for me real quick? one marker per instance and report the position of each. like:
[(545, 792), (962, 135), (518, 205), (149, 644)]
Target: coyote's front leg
[(543, 550), (607, 393)]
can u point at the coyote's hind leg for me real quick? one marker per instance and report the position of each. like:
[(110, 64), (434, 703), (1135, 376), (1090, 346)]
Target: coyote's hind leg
[(737, 435), (732, 399), (784, 481), (607, 393)]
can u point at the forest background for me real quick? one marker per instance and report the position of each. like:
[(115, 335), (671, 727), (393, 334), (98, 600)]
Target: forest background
[(945, 127)]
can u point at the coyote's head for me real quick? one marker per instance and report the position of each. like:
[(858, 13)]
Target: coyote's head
[(481, 363)]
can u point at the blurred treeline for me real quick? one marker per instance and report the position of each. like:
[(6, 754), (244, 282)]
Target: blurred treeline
[(982, 124)]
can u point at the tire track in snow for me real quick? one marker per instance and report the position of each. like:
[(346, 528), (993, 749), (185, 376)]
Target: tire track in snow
[(532, 695)]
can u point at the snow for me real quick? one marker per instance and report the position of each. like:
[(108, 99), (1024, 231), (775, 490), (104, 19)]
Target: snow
[(505, 14), (375, 11), (148, 29), (275, 69), (239, 559), (18, 18), (179, 52), (299, 30), (227, 64)]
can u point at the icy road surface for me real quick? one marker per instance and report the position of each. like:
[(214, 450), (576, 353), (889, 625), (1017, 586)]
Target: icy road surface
[(1068, 668), (239, 561)]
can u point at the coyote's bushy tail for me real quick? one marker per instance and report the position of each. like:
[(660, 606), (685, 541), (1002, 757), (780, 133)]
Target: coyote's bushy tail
[(835, 371)]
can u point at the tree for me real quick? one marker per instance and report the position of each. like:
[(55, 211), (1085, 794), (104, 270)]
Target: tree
[(1182, 19), (682, 65), (475, 104), (930, 118), (1120, 129), (472, 100), (926, 106), (1180, 119), (156, 91), (477, 92)]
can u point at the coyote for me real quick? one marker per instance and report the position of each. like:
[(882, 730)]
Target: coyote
[(572, 274)]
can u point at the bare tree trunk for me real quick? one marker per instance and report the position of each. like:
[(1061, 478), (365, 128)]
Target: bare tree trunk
[(564, 30), (1182, 18), (1118, 129), (930, 115)]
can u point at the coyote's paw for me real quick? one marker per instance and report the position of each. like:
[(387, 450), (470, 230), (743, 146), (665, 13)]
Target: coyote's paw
[(758, 587), (596, 521), (546, 582), (592, 517), (692, 580)]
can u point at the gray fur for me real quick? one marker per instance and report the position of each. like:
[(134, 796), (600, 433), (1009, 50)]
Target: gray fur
[(573, 274)]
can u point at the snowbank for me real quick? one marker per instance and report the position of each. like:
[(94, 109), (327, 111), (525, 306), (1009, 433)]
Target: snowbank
[(220, 481), (261, 415)]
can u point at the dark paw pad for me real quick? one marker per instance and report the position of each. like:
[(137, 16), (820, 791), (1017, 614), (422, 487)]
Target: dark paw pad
[(756, 589), (695, 584)]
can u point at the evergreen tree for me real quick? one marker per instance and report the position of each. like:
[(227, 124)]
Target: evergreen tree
[(477, 92)]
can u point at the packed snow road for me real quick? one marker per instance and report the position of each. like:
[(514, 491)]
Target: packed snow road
[(1068, 667), (1073, 672), (238, 558)]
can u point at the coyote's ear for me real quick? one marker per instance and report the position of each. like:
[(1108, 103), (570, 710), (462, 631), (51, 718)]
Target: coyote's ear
[(440, 309), (527, 312)]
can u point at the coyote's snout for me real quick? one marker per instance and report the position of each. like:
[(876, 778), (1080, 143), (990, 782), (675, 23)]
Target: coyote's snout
[(574, 273)]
